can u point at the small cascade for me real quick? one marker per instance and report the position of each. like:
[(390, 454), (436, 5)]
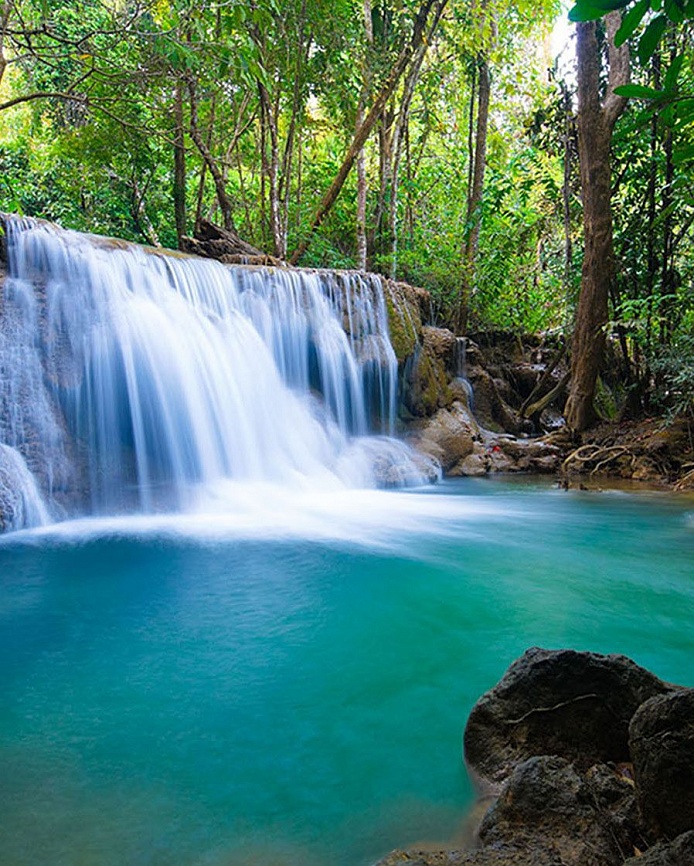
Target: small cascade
[(461, 371), (133, 379), (21, 503)]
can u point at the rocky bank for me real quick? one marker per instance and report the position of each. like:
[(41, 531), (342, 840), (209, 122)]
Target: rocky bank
[(584, 760)]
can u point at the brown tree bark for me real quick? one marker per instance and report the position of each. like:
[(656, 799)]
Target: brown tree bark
[(429, 11), (362, 245), (271, 168), (5, 9), (474, 198), (596, 121), (179, 183), (210, 161), (399, 135)]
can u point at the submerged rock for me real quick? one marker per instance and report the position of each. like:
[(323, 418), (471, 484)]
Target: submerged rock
[(577, 705)]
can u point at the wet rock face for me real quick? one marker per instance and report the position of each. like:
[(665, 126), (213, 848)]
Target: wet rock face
[(449, 436), (581, 819), (661, 741), (575, 705), (504, 857), (679, 852), (427, 373)]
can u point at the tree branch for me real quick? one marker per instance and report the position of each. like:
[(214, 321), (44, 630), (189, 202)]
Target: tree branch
[(360, 136)]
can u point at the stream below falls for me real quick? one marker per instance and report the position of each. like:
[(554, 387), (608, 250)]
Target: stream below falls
[(285, 681)]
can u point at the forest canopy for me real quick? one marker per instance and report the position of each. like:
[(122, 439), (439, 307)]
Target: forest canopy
[(435, 141)]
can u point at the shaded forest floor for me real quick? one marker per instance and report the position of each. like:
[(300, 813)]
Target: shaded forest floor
[(652, 451)]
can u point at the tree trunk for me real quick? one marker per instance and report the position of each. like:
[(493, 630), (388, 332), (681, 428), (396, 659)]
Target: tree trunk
[(210, 161), (362, 245), (421, 31), (179, 184), (5, 9), (399, 134), (596, 121), (566, 184), (474, 199), (303, 51), (362, 249), (271, 169)]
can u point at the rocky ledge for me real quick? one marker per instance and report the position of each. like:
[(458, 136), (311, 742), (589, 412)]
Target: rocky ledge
[(588, 760)]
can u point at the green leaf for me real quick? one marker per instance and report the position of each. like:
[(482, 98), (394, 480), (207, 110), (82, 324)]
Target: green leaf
[(674, 11), (651, 36), (673, 72), (638, 91), (585, 13), (631, 21), (608, 5), (591, 10), (683, 154)]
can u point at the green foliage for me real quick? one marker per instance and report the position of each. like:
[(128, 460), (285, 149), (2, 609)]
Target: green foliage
[(674, 371)]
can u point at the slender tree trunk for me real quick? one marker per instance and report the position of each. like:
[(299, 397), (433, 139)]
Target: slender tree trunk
[(140, 215), (362, 245), (5, 10), (271, 166), (302, 54), (474, 200), (596, 121), (566, 185), (385, 161), (399, 134), (179, 184), (651, 257), (210, 161), (434, 8), (666, 287)]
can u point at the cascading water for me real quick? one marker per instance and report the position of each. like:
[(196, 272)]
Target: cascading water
[(134, 380)]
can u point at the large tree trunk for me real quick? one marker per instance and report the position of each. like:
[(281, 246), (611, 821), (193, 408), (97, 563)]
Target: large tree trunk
[(596, 121), (427, 19)]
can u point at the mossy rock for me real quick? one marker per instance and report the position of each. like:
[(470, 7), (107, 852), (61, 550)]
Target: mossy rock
[(404, 330)]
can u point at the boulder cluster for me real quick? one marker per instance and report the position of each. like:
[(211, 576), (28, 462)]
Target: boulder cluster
[(587, 759), (463, 407)]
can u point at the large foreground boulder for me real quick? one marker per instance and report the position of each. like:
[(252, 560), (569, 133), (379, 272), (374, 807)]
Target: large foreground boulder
[(592, 761), (573, 704), (661, 742)]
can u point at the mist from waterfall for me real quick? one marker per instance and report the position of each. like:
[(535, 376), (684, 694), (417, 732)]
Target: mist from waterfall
[(136, 380)]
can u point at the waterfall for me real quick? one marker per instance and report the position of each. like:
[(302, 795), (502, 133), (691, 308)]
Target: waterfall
[(134, 378), (21, 503)]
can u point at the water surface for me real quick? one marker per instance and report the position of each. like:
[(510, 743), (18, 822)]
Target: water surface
[(286, 681)]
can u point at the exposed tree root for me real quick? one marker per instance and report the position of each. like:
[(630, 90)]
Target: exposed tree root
[(599, 456)]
